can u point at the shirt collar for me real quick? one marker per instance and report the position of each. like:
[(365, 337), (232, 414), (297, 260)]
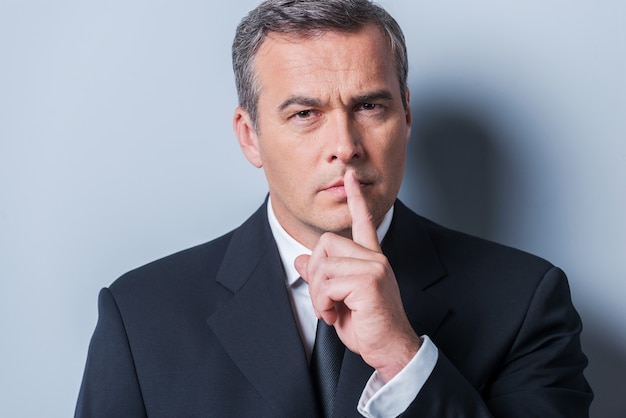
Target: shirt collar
[(289, 248)]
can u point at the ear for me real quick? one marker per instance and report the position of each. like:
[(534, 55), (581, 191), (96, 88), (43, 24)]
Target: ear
[(247, 137), (409, 116)]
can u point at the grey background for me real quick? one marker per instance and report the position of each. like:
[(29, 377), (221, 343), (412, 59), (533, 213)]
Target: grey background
[(116, 148)]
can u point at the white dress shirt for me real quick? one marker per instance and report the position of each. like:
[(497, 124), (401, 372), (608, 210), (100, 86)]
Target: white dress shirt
[(379, 398)]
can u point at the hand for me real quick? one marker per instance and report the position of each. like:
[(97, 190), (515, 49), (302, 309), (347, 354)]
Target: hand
[(353, 287)]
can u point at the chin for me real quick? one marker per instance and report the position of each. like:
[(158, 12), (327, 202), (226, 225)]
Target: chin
[(344, 230), (338, 224)]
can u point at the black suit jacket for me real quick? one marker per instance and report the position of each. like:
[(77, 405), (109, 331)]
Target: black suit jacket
[(210, 332)]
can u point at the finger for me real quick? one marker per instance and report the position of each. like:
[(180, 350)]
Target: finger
[(330, 272), (363, 228), (331, 268), (343, 293)]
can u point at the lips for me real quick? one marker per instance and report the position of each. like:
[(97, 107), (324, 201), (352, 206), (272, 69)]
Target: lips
[(337, 187), (338, 183)]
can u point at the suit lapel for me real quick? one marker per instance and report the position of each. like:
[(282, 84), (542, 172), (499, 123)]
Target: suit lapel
[(416, 264), (257, 326), (354, 375)]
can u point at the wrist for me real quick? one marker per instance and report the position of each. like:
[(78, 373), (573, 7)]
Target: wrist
[(394, 359)]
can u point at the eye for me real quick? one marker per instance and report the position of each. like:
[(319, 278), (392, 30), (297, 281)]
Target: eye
[(368, 107), (304, 114)]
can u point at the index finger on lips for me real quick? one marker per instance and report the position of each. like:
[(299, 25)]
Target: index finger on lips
[(363, 228)]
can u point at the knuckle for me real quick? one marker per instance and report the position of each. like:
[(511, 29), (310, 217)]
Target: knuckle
[(372, 279), (379, 269)]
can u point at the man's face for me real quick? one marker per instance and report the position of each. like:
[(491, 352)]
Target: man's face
[(326, 104)]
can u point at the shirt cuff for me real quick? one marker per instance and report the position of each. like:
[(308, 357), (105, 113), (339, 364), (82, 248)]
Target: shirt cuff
[(380, 399)]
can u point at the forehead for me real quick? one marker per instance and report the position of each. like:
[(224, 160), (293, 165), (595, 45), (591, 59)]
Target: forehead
[(320, 59)]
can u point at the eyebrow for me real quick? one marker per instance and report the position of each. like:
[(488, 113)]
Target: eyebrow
[(375, 96), (305, 101), (299, 100)]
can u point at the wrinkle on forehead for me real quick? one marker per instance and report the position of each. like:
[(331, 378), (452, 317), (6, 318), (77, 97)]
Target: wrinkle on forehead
[(332, 63)]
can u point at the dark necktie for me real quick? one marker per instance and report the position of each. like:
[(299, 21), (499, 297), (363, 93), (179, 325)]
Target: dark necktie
[(326, 363)]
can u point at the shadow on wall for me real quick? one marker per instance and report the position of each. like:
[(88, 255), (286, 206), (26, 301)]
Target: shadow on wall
[(456, 175), (452, 170)]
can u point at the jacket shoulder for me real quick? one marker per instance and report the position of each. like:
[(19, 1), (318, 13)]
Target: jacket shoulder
[(480, 251), (190, 271), (199, 260)]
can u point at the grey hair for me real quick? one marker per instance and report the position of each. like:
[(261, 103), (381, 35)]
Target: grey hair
[(306, 18)]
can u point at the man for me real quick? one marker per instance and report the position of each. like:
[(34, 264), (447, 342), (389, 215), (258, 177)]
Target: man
[(435, 323)]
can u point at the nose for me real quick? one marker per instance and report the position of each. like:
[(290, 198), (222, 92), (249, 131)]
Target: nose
[(344, 140)]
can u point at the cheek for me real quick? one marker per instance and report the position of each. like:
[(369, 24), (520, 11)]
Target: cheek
[(392, 150), (286, 174), (392, 157)]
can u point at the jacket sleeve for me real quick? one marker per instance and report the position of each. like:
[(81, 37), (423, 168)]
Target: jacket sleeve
[(110, 387), (542, 375)]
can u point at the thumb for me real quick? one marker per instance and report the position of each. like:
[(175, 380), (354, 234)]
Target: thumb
[(300, 264)]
